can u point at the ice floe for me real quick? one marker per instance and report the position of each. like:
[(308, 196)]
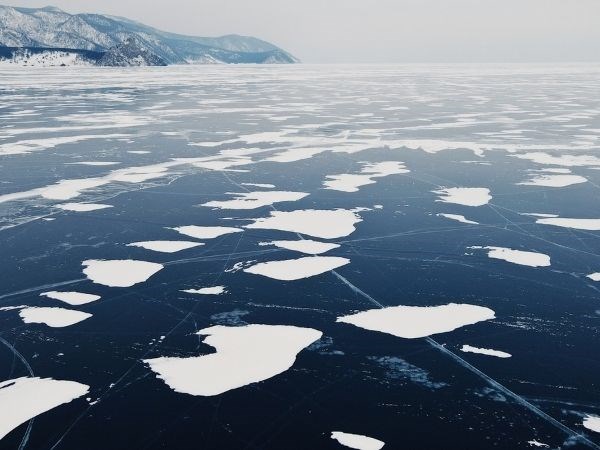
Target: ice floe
[(357, 441), (119, 272), (352, 182), (458, 218), (304, 246), (82, 207), (578, 224), (419, 321), (53, 317), (321, 223), (200, 232), (252, 200), (33, 145), (592, 423), (524, 258), (72, 297), (464, 196), (95, 163), (27, 397), (165, 246), (296, 269), (244, 355), (212, 290), (484, 351), (554, 180)]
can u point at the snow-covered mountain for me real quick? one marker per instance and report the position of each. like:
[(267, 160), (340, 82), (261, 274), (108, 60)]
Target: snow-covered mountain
[(110, 40)]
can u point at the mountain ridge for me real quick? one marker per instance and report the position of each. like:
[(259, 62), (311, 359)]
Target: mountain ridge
[(51, 28)]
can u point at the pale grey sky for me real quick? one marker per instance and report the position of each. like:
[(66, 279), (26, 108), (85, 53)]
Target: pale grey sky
[(379, 30)]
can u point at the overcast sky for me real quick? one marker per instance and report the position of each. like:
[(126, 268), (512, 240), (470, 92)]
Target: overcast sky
[(379, 30)]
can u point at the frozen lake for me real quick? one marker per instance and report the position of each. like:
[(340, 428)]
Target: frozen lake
[(256, 257)]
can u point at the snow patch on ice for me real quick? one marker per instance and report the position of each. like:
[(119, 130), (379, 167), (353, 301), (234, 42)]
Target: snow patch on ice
[(165, 246), (200, 232), (464, 196), (304, 246), (244, 355), (252, 200), (119, 272), (357, 441), (72, 298), (296, 269), (412, 322), (213, 290), (27, 397), (484, 351), (524, 258), (458, 218)]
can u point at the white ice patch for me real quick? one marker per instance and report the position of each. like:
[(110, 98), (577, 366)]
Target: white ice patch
[(307, 246), (412, 322), (592, 423), (72, 298), (27, 397), (165, 246), (324, 223), (252, 200), (538, 215), (484, 351), (458, 218), (213, 290), (464, 196), (594, 276), (357, 441), (296, 269), (53, 317), (578, 224), (119, 272), (523, 258), (244, 355), (352, 182), (199, 232), (554, 180), (82, 207)]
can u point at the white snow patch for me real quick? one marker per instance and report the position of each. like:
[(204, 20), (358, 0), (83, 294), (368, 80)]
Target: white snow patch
[(578, 224), (165, 246), (252, 200), (465, 196), (82, 207), (592, 423), (27, 397), (72, 298), (458, 218), (304, 246), (357, 441), (534, 443), (199, 232), (259, 185), (485, 351), (296, 269), (244, 355), (554, 180), (412, 322), (323, 223), (352, 182), (594, 276), (53, 317), (213, 290), (119, 272), (531, 259), (562, 160)]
